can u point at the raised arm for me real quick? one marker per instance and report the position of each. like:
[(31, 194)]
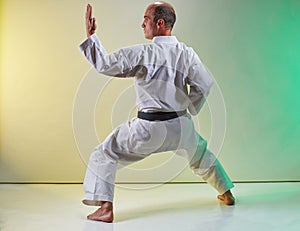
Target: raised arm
[(122, 63), (90, 22)]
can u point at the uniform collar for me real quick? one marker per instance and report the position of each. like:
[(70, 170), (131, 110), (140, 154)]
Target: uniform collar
[(165, 39)]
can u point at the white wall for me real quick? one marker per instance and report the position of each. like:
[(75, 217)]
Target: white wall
[(251, 47)]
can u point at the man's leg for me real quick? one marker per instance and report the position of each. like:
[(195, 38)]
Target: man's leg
[(114, 153), (99, 184), (218, 178), (206, 165)]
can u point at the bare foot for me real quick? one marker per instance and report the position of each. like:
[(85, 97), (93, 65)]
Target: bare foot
[(104, 213), (227, 198)]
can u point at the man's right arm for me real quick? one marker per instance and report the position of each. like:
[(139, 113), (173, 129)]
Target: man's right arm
[(115, 64)]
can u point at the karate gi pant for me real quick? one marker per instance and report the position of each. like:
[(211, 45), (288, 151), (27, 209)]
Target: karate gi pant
[(136, 139)]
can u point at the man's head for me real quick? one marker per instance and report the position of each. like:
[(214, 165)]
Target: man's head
[(159, 19)]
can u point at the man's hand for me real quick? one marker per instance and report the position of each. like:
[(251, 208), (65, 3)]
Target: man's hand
[(90, 23)]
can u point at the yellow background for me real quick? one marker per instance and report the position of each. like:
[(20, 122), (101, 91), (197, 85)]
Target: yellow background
[(42, 68)]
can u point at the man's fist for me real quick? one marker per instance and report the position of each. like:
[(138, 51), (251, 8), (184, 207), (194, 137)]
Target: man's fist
[(90, 23)]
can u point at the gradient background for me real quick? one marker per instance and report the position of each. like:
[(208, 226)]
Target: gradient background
[(251, 47)]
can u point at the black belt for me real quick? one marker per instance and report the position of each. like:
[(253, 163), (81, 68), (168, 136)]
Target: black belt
[(161, 116)]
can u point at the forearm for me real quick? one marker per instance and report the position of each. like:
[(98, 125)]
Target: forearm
[(199, 90), (115, 64), (197, 99), (94, 52)]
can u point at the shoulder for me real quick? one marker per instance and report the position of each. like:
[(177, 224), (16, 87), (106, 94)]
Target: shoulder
[(188, 49), (136, 49)]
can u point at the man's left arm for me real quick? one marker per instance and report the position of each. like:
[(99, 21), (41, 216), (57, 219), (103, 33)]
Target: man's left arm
[(200, 82)]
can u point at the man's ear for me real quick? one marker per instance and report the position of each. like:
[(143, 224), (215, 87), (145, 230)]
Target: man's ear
[(160, 22)]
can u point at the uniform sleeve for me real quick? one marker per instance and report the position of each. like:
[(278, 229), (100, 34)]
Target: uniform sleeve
[(115, 64), (200, 82)]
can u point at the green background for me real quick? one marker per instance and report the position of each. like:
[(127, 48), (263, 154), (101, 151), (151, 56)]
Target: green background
[(251, 48)]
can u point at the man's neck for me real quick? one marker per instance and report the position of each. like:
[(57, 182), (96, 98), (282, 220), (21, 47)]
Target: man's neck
[(164, 33)]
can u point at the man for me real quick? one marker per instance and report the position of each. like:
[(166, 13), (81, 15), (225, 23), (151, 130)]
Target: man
[(162, 70)]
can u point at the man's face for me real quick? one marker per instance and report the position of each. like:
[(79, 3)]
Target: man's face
[(149, 26)]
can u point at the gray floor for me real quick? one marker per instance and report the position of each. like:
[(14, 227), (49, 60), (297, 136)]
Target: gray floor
[(260, 206)]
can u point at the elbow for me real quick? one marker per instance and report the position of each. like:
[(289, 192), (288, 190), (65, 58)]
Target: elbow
[(101, 68)]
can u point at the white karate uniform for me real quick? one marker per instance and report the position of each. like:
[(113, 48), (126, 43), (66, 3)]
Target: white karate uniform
[(169, 76)]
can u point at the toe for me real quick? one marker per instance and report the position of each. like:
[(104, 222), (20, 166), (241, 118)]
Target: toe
[(220, 197)]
